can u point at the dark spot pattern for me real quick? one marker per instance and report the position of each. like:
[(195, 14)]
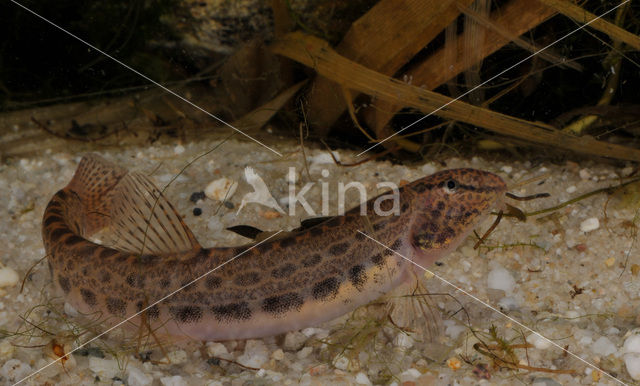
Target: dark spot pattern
[(64, 284), (105, 277), (327, 288), (377, 260), (135, 280), (232, 311), (283, 271), (186, 314), (287, 242), (312, 260), (265, 247), (88, 297), (358, 276), (338, 249), (247, 279), (212, 282), (280, 304), (116, 306), (152, 312)]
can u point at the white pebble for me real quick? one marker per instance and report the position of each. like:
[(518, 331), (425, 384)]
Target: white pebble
[(138, 378), (106, 369), (429, 169), (538, 342), (571, 189), (294, 341), (178, 149), (304, 352), (14, 370), (323, 158), (453, 329), (362, 379), (603, 346), (278, 355), (589, 224), (631, 354), (584, 174), (221, 189), (177, 357), (507, 169), (8, 277), (501, 279), (70, 310), (410, 375), (217, 350), (255, 354), (176, 380), (341, 362)]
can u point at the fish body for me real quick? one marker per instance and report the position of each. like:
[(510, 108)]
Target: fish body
[(278, 285)]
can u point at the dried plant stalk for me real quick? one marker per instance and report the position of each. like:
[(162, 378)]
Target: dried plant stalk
[(317, 54)]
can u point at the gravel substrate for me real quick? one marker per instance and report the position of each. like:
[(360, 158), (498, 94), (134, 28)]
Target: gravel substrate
[(570, 275)]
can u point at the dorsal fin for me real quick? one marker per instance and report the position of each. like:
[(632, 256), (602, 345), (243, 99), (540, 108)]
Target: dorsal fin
[(144, 221), (140, 219)]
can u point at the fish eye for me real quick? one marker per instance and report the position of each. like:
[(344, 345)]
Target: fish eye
[(451, 185)]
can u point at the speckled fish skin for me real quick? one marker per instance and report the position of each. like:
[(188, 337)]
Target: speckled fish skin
[(281, 285)]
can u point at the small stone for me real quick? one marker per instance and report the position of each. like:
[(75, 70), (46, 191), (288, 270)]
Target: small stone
[(428, 169), (8, 277), (278, 355), (255, 354), (610, 262), (631, 355), (410, 375), (571, 189), (14, 370), (635, 268), (178, 149), (104, 368), (197, 211), (138, 378), (584, 174), (294, 340), (507, 169), (603, 347), (221, 189), (6, 349), (175, 380), (177, 357), (69, 310), (538, 342), (362, 379), (341, 362), (216, 349), (304, 352), (589, 224), (197, 196), (454, 363), (501, 279)]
